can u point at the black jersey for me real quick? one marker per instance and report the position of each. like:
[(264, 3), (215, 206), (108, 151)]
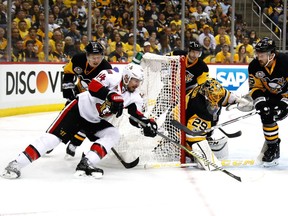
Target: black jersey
[(264, 80), (198, 116), (79, 68), (196, 72)]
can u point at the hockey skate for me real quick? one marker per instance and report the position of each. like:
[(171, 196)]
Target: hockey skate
[(12, 171), (271, 154), (84, 168), (70, 151)]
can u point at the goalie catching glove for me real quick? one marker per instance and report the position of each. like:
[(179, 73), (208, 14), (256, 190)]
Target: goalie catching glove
[(151, 127), (115, 102)]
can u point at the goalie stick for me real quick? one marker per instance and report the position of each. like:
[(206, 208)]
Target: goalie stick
[(125, 164), (194, 154), (192, 133), (199, 133)]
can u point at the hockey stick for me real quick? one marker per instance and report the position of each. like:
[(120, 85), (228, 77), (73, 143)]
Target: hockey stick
[(125, 164), (199, 133), (192, 133), (224, 162), (194, 154)]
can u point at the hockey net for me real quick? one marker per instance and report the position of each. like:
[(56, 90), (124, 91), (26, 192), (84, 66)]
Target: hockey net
[(163, 91)]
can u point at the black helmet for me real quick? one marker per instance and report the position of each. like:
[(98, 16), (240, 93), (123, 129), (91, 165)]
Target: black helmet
[(265, 45), (94, 47), (194, 45)]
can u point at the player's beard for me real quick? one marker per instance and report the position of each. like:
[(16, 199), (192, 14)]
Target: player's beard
[(262, 64), (131, 89)]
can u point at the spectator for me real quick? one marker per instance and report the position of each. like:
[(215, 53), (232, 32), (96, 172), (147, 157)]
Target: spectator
[(112, 46), (21, 16), (38, 45), (223, 56), (207, 51), (57, 36), (239, 37), (58, 54), (249, 47), (108, 16), (222, 41), (161, 23), (150, 26), (253, 38), (77, 16), (22, 26), (15, 36), (176, 20), (207, 33), (124, 21), (18, 51), (142, 33), (199, 14), (192, 26), (51, 23), (129, 47), (188, 37), (241, 56), (30, 55), (154, 48), (84, 42), (169, 11), (226, 7), (3, 16), (99, 34), (153, 13), (222, 32), (96, 17), (164, 44), (118, 55), (210, 7), (73, 32), (177, 44), (69, 48), (3, 45), (42, 56)]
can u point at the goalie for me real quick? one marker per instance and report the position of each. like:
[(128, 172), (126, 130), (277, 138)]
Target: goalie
[(108, 93), (203, 107)]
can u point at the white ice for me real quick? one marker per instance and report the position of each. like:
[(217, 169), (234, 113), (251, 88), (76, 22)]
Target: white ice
[(47, 186)]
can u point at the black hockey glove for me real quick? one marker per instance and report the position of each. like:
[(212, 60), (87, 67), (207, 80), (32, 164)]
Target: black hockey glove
[(281, 111), (68, 90), (151, 127), (116, 103), (262, 106)]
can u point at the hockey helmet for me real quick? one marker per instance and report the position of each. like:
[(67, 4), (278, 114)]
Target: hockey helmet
[(194, 45), (213, 91), (132, 70), (94, 47), (265, 45)]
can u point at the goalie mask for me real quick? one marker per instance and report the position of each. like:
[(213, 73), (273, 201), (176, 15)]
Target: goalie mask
[(132, 71), (213, 92)]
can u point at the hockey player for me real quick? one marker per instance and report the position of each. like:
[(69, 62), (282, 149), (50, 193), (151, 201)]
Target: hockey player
[(203, 107), (268, 75), (107, 94), (197, 71), (82, 68)]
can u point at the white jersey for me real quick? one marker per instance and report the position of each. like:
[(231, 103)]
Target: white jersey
[(89, 105)]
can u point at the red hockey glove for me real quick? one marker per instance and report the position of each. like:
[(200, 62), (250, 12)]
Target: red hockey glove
[(116, 102)]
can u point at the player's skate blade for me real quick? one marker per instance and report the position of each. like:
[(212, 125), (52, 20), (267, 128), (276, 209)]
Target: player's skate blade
[(11, 171), (85, 169), (271, 164)]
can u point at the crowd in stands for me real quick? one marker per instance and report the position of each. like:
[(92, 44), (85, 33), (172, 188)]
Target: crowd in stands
[(158, 29)]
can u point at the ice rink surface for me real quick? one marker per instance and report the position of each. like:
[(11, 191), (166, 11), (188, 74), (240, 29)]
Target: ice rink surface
[(48, 187)]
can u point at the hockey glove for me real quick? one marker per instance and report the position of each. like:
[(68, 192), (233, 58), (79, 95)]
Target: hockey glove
[(151, 127), (281, 111), (116, 103), (262, 106), (69, 91)]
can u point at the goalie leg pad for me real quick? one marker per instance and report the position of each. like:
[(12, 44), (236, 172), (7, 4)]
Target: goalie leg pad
[(202, 148), (219, 147)]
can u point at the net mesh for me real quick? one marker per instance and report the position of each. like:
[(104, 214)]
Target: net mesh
[(161, 92)]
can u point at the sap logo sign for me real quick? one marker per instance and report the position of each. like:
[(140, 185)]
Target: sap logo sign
[(232, 78)]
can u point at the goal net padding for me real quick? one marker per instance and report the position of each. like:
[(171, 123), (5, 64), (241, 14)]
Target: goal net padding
[(163, 91)]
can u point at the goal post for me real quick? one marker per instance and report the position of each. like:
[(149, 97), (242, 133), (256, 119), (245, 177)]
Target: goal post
[(163, 91)]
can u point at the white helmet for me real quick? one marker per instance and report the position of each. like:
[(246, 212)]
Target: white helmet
[(132, 70)]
